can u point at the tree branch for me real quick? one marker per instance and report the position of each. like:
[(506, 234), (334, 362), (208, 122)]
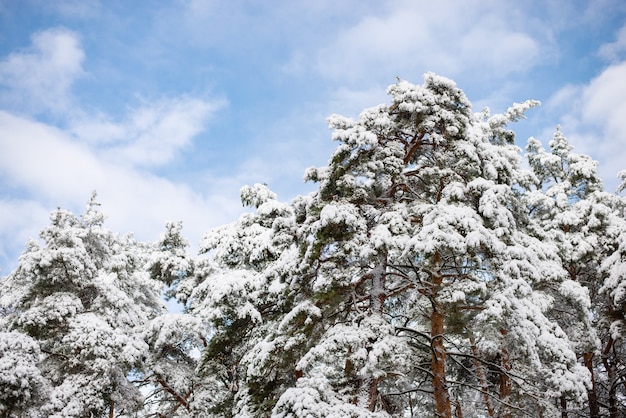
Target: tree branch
[(181, 400)]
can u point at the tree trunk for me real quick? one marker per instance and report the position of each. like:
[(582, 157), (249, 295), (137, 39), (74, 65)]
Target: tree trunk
[(505, 380), (181, 400), (594, 407), (563, 406), (368, 392), (438, 355), (438, 365), (377, 294), (480, 373), (613, 412), (458, 411)]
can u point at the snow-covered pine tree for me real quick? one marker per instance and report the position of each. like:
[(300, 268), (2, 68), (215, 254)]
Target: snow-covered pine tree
[(406, 284), (614, 290), (417, 264), (238, 288), (612, 323), (175, 340), (612, 369), (170, 378), (83, 298), (171, 263), (569, 208)]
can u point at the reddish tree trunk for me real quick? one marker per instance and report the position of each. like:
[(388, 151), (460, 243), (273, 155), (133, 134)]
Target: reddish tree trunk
[(613, 412), (181, 400), (594, 407), (458, 411), (370, 392), (438, 356), (505, 380), (438, 365)]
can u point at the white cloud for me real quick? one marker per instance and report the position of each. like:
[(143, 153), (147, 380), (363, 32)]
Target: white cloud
[(39, 78), (42, 159), (199, 8), (495, 49), (80, 9), (351, 102), (605, 100), (446, 37), (613, 50), (603, 109), (152, 134), (567, 96)]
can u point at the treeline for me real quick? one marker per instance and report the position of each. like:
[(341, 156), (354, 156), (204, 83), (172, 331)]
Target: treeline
[(433, 273)]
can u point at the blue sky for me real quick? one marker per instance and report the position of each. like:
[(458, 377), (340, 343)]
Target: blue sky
[(167, 108)]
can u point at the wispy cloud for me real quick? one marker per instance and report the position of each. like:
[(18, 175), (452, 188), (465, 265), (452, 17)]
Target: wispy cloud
[(76, 9), (151, 135), (614, 50), (39, 78), (447, 37), (603, 109), (49, 163)]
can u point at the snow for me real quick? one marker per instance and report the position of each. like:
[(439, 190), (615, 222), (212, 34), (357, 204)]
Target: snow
[(256, 195), (21, 381), (321, 306)]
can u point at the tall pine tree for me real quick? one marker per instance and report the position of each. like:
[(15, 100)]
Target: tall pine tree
[(406, 283)]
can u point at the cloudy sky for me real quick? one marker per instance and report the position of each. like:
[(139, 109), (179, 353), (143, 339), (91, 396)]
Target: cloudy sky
[(167, 107)]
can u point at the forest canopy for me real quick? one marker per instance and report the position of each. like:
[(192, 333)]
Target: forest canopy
[(437, 270)]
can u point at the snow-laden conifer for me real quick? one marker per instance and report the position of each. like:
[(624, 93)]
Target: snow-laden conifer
[(82, 295), (569, 208), (406, 284), (416, 225), (238, 289), (175, 340)]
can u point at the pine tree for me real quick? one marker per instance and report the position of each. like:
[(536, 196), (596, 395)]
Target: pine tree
[(612, 317), (569, 207), (170, 378), (611, 326), (238, 289), (170, 262), (417, 209), (406, 283), (83, 296), (175, 340)]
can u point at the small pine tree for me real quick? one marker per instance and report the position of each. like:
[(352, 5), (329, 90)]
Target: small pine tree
[(84, 297), (569, 208)]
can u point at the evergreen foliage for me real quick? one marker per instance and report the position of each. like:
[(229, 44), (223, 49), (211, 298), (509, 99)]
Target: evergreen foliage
[(571, 210), (428, 275), (79, 302)]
